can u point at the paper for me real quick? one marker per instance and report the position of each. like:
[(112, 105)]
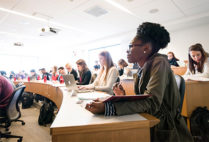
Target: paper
[(195, 78), (92, 95)]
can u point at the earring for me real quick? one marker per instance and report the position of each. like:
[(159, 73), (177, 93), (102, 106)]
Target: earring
[(144, 52)]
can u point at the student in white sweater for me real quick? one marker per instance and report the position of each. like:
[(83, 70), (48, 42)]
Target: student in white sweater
[(198, 62), (107, 76)]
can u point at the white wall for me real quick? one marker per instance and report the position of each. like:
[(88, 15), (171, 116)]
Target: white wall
[(181, 40)]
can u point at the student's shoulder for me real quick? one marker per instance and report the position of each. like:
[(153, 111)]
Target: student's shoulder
[(158, 61), (113, 68), (88, 72)]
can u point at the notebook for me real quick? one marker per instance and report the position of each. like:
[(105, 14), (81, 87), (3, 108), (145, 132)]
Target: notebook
[(92, 96)]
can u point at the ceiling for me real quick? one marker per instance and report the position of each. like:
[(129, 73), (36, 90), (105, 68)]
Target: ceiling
[(78, 27)]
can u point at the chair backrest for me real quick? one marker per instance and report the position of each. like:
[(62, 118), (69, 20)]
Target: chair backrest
[(181, 86), (13, 110)]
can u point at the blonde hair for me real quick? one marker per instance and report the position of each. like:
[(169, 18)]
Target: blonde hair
[(68, 65)]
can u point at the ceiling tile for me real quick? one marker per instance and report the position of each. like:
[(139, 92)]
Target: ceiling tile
[(167, 11), (191, 7)]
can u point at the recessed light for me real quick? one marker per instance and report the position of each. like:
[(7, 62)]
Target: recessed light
[(153, 11)]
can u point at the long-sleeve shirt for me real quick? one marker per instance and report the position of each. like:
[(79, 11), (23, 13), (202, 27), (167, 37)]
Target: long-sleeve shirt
[(205, 72), (100, 84), (6, 90), (85, 78)]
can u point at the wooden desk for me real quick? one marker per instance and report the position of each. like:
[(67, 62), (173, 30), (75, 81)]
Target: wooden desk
[(179, 70), (196, 94), (75, 124)]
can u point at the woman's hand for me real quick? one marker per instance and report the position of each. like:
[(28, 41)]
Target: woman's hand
[(96, 107), (118, 90), (85, 87)]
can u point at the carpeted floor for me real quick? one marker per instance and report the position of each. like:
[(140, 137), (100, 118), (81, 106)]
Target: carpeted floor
[(31, 131)]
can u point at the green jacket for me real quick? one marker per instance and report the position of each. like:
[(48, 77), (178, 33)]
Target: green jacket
[(158, 80)]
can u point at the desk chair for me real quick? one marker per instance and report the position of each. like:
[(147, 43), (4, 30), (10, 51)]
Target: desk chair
[(12, 113), (181, 86)]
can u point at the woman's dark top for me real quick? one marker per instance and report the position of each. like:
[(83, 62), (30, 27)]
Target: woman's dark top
[(74, 73), (173, 62), (121, 72), (85, 78)]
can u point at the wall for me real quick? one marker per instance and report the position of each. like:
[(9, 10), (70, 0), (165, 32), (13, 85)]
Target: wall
[(182, 39)]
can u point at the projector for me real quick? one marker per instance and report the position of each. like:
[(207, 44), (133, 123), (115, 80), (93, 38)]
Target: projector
[(49, 31)]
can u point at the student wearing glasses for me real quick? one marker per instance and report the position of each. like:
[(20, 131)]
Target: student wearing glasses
[(107, 77), (198, 61), (156, 78)]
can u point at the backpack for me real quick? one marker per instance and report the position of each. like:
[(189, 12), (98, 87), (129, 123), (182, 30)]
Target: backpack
[(38, 98), (27, 100), (200, 124), (46, 113)]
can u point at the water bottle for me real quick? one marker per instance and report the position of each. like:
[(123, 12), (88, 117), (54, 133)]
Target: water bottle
[(45, 78)]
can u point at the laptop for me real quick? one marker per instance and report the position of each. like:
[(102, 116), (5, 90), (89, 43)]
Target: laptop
[(71, 84)]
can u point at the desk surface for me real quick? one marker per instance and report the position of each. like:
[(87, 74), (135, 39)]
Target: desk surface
[(74, 123)]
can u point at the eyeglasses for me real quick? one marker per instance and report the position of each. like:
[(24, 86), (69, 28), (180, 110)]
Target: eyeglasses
[(133, 45)]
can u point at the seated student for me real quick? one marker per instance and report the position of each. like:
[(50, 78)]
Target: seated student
[(95, 73), (55, 75), (156, 78), (107, 77), (33, 75), (71, 71), (198, 61), (3, 73), (61, 72), (122, 64), (84, 72), (172, 59), (20, 75), (96, 66), (6, 90), (44, 73), (12, 75)]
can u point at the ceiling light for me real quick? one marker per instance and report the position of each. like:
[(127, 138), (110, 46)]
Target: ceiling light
[(153, 11), (120, 7), (38, 19)]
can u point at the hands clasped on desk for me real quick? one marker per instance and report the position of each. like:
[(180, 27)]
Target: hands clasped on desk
[(98, 107)]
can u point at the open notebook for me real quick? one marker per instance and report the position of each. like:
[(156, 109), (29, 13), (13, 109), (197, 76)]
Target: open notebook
[(92, 96)]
